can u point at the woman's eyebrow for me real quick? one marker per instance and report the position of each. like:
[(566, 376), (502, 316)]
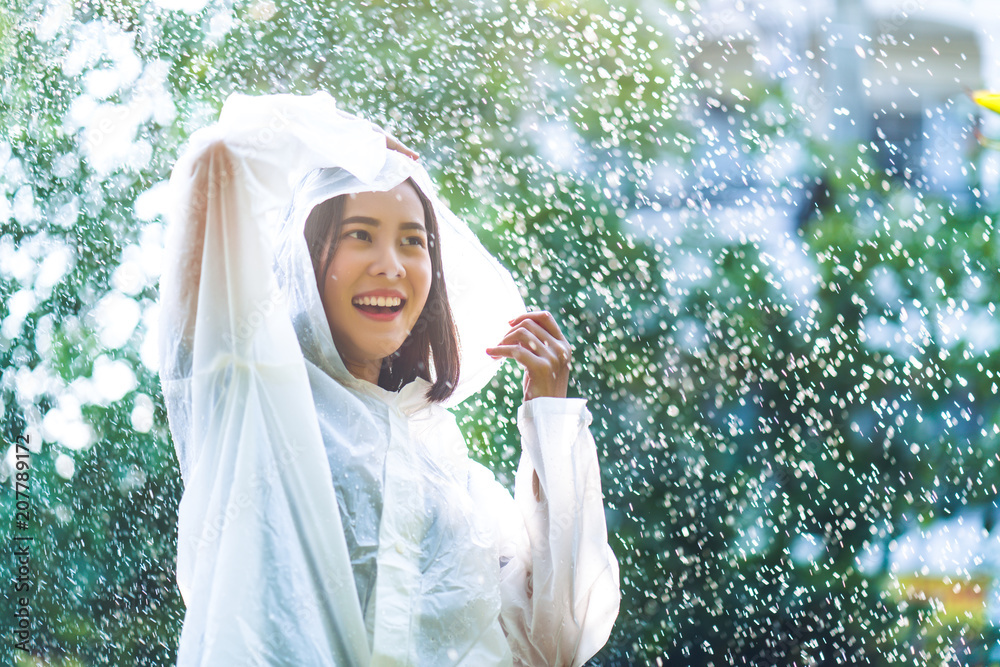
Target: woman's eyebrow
[(372, 222), (361, 219)]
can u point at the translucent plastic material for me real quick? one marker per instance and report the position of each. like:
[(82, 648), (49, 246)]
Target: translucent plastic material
[(326, 521)]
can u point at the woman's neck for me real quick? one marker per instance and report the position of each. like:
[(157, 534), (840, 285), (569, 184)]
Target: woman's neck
[(364, 370)]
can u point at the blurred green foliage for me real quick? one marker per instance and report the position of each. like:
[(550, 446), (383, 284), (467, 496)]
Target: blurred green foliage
[(734, 412)]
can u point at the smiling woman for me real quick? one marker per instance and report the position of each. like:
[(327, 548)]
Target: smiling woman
[(331, 513), (374, 261), (377, 257)]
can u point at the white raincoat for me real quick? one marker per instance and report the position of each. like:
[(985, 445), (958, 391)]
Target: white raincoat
[(326, 521)]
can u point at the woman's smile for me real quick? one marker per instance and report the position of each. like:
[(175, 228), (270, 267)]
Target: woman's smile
[(380, 305)]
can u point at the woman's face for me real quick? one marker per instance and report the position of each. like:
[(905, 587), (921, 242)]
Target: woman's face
[(379, 277)]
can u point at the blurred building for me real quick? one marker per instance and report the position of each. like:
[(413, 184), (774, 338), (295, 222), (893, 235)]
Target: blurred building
[(892, 74)]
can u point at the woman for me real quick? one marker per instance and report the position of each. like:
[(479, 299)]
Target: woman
[(331, 514)]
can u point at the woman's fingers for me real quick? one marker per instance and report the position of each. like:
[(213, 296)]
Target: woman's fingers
[(543, 318), (542, 377), (392, 144), (541, 346), (556, 344), (529, 339), (536, 342), (515, 352)]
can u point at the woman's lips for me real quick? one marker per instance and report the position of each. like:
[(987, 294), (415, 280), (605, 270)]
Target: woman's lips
[(381, 314)]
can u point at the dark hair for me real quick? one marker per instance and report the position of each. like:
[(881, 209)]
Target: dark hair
[(433, 336)]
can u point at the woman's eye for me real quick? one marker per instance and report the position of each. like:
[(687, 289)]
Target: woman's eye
[(359, 234), (414, 240)]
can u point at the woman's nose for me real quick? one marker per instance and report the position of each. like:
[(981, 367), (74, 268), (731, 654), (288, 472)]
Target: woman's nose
[(387, 262)]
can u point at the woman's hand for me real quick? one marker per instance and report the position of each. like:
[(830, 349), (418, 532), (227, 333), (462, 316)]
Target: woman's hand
[(536, 343), (394, 145)]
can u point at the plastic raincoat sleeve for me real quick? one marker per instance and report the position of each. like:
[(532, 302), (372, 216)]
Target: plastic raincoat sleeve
[(262, 563), (559, 579)]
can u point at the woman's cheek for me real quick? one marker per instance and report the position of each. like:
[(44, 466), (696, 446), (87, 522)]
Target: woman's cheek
[(425, 280)]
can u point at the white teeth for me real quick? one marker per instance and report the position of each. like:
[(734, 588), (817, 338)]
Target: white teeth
[(380, 301)]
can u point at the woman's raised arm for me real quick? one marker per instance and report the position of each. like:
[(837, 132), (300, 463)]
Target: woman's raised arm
[(227, 188), (258, 489)]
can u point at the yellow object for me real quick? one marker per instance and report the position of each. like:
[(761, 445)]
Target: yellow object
[(987, 99)]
